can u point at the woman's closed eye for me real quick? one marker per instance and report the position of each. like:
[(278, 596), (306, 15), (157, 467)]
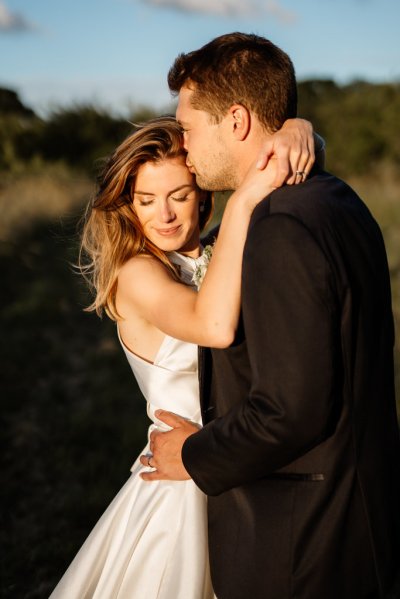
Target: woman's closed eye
[(180, 198), (189, 194)]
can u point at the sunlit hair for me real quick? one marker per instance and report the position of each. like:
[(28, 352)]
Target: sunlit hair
[(112, 233), (239, 68)]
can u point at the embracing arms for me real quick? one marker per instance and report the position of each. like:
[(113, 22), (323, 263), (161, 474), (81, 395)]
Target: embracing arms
[(207, 317), (210, 316), (291, 334), (291, 329)]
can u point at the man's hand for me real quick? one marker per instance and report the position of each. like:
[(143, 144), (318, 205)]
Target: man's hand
[(293, 148), (167, 447)]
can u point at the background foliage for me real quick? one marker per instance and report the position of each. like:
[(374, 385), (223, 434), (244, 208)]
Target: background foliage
[(73, 419)]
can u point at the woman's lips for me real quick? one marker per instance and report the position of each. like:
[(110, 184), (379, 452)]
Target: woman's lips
[(169, 231)]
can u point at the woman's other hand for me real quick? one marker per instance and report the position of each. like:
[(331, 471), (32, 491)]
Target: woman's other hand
[(293, 148)]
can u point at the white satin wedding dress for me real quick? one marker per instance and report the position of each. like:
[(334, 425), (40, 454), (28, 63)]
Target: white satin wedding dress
[(151, 542)]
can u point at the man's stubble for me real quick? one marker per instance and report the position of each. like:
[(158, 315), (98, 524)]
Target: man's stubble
[(219, 172)]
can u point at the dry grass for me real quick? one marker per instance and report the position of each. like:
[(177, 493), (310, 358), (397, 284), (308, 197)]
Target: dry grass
[(381, 192), (40, 194)]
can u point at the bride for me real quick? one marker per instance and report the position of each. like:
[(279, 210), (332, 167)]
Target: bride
[(141, 241)]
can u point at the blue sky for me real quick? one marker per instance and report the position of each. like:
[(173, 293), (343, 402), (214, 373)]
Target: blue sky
[(116, 53)]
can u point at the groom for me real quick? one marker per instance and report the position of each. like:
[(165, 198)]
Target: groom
[(299, 452)]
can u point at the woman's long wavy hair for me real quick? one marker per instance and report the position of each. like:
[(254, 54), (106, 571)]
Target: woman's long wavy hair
[(112, 233)]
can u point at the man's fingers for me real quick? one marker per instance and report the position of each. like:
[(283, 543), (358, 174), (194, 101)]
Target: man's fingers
[(147, 460), (153, 436), (169, 418), (149, 476)]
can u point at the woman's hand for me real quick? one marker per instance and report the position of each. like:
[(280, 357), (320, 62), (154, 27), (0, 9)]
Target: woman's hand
[(294, 149), (256, 185)]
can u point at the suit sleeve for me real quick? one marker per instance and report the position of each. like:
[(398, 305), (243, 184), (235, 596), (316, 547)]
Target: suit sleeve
[(291, 327)]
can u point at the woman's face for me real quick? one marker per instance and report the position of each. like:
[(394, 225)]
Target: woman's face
[(166, 201)]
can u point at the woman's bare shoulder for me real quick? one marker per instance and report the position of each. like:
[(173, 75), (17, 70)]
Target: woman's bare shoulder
[(141, 263), (141, 271)]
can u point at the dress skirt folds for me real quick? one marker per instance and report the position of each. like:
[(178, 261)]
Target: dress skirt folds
[(151, 542)]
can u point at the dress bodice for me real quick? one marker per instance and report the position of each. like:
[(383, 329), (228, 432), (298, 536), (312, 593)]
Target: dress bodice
[(171, 381)]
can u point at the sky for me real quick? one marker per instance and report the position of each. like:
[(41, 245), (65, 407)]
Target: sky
[(116, 53)]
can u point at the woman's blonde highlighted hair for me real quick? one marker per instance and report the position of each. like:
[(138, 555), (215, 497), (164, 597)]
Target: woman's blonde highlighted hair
[(112, 233)]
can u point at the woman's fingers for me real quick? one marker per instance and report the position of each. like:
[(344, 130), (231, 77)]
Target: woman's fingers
[(293, 148)]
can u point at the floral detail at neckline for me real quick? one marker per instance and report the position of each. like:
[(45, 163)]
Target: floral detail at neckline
[(202, 265), (192, 270)]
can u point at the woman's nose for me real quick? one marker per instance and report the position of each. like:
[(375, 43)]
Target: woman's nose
[(167, 213)]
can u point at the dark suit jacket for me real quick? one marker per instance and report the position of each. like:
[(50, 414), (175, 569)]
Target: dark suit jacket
[(300, 449)]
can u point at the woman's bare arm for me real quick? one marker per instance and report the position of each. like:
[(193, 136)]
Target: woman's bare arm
[(208, 317)]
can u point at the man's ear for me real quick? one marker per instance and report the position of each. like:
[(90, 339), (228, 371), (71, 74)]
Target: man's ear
[(241, 121)]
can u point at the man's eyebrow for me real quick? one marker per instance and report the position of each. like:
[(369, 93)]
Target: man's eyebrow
[(147, 193)]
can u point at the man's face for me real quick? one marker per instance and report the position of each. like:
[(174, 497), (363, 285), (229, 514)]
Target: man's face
[(207, 144)]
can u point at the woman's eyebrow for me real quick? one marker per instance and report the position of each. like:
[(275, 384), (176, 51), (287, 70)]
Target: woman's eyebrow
[(148, 193), (181, 187), (143, 193)]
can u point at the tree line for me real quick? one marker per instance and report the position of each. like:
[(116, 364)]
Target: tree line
[(359, 121)]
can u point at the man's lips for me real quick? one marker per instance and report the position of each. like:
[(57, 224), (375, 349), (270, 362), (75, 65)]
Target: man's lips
[(168, 231)]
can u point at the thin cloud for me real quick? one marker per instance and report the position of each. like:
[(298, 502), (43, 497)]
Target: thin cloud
[(11, 22), (221, 8), (279, 12), (229, 8)]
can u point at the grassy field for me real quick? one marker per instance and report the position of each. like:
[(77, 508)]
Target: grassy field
[(381, 192), (72, 414)]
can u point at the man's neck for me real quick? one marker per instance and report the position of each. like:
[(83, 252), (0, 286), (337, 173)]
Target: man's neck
[(249, 154)]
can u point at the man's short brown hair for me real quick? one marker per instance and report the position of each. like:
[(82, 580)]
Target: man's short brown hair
[(239, 68)]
